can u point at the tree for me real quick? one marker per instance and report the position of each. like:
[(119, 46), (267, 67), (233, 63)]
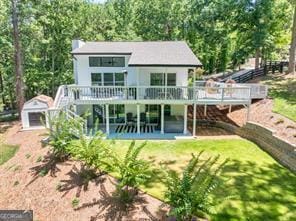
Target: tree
[(17, 56), (160, 20), (293, 41)]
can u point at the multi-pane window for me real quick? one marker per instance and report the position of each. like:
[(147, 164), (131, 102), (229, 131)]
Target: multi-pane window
[(96, 79), (108, 79), (106, 62), (157, 79), (119, 79), (171, 79), (116, 114), (94, 61), (161, 79)]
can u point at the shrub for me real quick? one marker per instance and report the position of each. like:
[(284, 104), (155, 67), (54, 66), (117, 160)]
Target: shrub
[(63, 130), (39, 159), (43, 172), (132, 171), (92, 151), (189, 195), (75, 202)]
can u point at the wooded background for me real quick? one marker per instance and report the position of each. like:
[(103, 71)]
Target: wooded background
[(222, 33)]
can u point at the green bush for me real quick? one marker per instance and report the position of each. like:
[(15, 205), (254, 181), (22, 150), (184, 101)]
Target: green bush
[(189, 195), (132, 172), (75, 202), (94, 152), (63, 130)]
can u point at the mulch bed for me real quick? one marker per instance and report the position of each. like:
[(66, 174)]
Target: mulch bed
[(50, 196)]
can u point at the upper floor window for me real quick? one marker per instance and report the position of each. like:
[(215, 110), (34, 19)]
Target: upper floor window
[(106, 62), (162, 79), (96, 79), (107, 79)]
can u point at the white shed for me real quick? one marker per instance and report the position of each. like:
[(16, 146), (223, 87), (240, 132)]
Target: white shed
[(34, 110)]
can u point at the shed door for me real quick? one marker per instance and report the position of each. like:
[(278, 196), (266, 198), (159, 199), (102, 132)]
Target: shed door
[(35, 119)]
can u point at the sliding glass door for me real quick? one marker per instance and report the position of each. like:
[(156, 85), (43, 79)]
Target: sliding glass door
[(116, 114), (154, 112)]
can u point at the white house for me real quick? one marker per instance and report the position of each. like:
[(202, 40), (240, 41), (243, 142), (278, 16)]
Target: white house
[(140, 87)]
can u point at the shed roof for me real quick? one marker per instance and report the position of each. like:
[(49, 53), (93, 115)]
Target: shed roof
[(152, 53), (44, 99)]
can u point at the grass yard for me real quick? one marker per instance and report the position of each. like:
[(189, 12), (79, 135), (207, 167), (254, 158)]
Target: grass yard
[(283, 92), (254, 186), (7, 152)]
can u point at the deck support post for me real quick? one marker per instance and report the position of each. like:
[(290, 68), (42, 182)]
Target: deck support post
[(107, 120), (229, 110), (162, 119), (194, 120), (138, 119), (185, 119), (205, 110)]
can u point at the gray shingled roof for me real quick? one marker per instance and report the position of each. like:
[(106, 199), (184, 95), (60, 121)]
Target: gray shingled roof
[(158, 53)]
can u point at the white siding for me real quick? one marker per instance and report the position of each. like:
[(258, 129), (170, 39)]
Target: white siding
[(83, 75)]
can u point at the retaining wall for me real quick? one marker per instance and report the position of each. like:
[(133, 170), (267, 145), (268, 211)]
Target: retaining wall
[(283, 151)]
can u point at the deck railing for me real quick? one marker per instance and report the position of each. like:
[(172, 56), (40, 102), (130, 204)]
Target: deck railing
[(166, 93), (59, 95)]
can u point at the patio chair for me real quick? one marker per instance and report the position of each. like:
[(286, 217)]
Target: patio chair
[(130, 119), (143, 119)]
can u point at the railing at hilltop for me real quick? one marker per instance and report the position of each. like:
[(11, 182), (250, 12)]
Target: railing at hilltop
[(251, 74), (265, 68)]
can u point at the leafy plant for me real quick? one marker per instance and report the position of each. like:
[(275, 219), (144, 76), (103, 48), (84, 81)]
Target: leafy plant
[(75, 202), (28, 155), (39, 159), (132, 171), (43, 172), (92, 151), (63, 129), (189, 195)]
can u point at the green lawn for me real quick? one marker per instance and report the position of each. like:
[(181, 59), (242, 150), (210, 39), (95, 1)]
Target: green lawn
[(254, 187), (283, 92), (7, 152)]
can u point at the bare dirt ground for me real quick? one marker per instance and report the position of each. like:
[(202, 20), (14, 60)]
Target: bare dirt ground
[(50, 196), (261, 112)]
